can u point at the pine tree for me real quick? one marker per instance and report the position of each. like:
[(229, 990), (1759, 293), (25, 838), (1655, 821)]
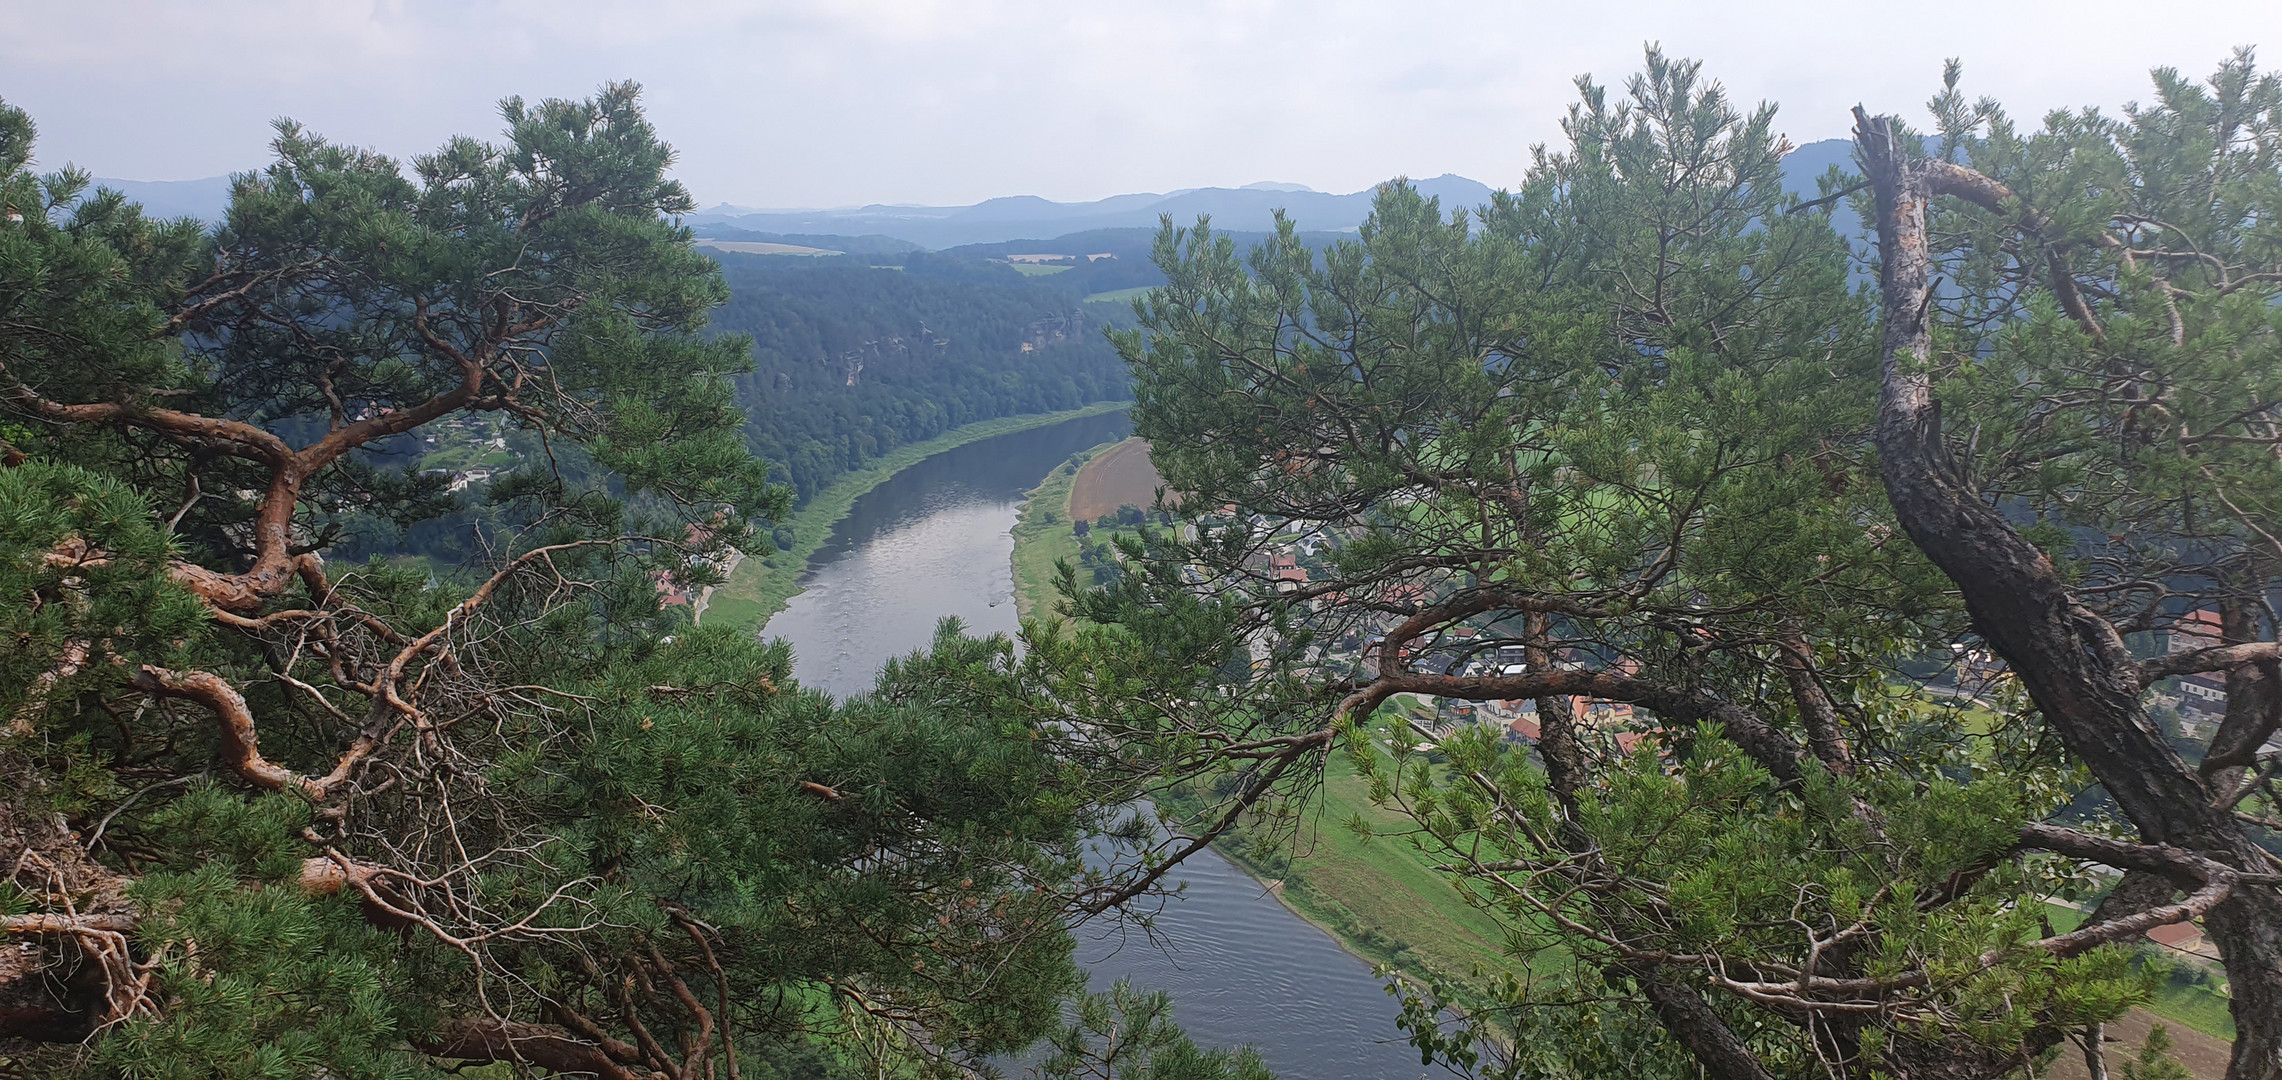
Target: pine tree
[(2115, 332), (271, 816), (1625, 427)]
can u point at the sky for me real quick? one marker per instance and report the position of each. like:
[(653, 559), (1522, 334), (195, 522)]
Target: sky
[(815, 103)]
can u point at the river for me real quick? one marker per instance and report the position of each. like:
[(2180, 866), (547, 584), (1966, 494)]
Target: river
[(934, 540)]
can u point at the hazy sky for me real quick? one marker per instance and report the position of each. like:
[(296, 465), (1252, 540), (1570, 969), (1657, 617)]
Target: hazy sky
[(786, 103)]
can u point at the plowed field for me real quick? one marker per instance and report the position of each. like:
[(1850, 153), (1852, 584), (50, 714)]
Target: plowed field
[(1119, 475)]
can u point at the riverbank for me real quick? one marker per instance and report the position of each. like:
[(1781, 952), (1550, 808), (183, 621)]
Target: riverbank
[(1378, 896), (1044, 534), (761, 584)]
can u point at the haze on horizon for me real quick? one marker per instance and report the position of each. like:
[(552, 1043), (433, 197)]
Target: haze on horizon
[(817, 103)]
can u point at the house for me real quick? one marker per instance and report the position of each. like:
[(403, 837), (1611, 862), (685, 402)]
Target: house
[(1977, 668), (1451, 712), (2204, 692), (670, 592), (1524, 729), (468, 478), (1599, 712), (2197, 629), (2202, 695), (1433, 663), (1407, 593)]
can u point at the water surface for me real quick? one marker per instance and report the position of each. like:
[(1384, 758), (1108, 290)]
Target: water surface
[(934, 540), (930, 541)]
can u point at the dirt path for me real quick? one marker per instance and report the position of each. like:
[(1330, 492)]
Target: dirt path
[(1115, 477)]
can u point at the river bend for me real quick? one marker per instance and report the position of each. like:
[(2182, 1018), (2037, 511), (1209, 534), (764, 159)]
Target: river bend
[(934, 540)]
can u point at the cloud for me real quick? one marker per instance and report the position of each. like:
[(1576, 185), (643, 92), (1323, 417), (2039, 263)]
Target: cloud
[(828, 102)]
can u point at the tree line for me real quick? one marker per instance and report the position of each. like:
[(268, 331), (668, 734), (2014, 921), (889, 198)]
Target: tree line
[(271, 813), (1630, 422), (851, 361)]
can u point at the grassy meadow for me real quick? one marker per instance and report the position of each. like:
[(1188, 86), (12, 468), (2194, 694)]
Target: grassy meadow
[(1043, 536)]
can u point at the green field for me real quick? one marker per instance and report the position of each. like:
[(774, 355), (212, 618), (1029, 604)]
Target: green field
[(763, 582), (1379, 894), (2198, 1007), (1119, 296), (1042, 536), (462, 457), (1036, 270)]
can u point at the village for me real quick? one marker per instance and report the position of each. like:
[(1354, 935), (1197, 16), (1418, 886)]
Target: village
[(1294, 559)]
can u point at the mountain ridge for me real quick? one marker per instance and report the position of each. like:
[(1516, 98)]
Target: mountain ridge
[(1249, 208)]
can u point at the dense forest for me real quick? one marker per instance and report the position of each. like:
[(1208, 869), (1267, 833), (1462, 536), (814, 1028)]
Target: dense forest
[(1649, 455), (852, 360), (275, 811)]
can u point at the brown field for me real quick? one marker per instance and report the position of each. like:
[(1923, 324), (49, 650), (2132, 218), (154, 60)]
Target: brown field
[(2203, 1055), (1116, 476)]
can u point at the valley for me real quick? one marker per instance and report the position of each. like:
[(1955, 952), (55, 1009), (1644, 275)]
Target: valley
[(718, 577)]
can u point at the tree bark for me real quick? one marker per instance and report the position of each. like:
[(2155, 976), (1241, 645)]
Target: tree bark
[(1693, 1024), (1557, 741), (1826, 737), (2096, 1052), (2073, 663), (2254, 704), (551, 1048)]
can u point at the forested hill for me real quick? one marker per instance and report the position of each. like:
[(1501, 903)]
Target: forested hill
[(852, 361), (854, 358)]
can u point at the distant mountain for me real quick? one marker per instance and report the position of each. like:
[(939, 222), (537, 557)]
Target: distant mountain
[(202, 199), (1803, 166), (887, 228), (1250, 209)]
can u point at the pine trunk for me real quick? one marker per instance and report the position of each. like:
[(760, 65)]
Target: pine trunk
[(2073, 663)]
